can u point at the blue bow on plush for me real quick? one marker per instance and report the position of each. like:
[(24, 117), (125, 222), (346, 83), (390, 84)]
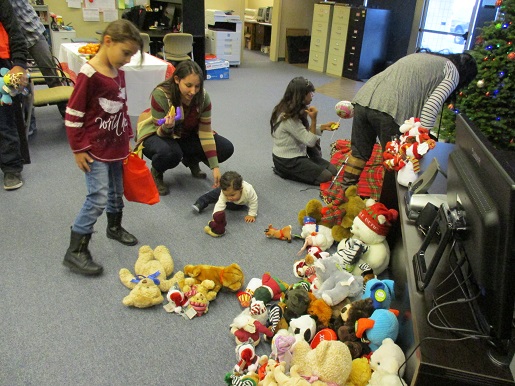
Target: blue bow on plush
[(152, 277)]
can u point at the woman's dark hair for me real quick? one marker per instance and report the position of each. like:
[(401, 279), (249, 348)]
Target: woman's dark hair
[(229, 179), (171, 88), (122, 30), (293, 104), (467, 67), (465, 63)]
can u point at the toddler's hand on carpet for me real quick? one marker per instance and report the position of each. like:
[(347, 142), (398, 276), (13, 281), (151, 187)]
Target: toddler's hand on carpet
[(250, 219)]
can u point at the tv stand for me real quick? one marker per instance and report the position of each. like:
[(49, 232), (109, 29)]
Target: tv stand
[(439, 359)]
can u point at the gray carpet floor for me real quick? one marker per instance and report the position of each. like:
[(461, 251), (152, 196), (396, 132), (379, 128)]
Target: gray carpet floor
[(59, 328)]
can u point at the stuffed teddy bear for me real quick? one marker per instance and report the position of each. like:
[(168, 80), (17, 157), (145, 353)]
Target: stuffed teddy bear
[(216, 227), (371, 226), (380, 325), (293, 378), (148, 263), (144, 294), (230, 277), (351, 313), (334, 283), (360, 373), (330, 361), (387, 365), (191, 287)]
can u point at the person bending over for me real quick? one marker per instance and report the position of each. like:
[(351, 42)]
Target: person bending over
[(296, 151), (190, 139), (417, 85)]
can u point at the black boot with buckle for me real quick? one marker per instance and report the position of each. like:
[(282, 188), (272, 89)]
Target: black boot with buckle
[(78, 258), (115, 230)]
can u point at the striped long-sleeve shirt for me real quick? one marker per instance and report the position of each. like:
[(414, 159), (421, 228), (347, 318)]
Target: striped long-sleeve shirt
[(417, 85), (196, 121)]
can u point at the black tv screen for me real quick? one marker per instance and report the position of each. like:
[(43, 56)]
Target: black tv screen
[(481, 189)]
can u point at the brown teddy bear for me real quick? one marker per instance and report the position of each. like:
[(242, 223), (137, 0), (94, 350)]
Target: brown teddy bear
[(230, 277), (148, 263), (337, 217), (358, 309)]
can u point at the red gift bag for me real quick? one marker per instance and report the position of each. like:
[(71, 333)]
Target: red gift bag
[(138, 184)]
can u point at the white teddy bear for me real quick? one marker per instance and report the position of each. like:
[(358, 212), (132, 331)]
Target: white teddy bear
[(371, 226), (386, 364)]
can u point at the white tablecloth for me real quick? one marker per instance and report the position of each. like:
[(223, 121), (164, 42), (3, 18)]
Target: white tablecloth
[(140, 79)]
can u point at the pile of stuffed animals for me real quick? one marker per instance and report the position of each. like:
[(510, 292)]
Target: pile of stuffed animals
[(333, 326)]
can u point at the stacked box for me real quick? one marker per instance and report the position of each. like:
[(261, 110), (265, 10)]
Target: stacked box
[(217, 69)]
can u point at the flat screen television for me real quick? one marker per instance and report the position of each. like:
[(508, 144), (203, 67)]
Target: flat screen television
[(481, 189)]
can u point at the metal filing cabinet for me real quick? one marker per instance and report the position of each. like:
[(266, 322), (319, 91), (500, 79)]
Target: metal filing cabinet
[(320, 32), (366, 45), (338, 41)]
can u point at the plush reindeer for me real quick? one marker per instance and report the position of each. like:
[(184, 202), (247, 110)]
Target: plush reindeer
[(281, 234)]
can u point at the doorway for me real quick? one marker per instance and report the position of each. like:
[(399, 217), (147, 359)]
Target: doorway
[(450, 26)]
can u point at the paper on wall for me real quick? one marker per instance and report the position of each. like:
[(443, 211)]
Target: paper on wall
[(110, 15), (75, 3), (90, 14)]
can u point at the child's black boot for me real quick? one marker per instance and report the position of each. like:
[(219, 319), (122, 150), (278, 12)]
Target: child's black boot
[(78, 258), (115, 230)]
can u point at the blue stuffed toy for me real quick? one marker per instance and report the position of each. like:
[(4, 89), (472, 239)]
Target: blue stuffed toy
[(381, 292), (5, 90), (380, 325)]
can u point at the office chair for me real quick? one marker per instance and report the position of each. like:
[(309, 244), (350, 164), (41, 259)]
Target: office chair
[(146, 42), (177, 47)]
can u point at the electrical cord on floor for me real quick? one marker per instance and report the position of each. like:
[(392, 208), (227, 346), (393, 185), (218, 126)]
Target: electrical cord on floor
[(432, 338)]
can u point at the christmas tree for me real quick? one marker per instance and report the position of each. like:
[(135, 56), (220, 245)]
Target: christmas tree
[(488, 99)]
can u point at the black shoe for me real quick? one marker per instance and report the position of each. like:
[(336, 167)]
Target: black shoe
[(78, 258), (158, 179), (199, 206), (196, 172), (116, 232)]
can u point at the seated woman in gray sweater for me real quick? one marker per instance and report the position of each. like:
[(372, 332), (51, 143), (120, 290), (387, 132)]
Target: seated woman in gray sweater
[(296, 152)]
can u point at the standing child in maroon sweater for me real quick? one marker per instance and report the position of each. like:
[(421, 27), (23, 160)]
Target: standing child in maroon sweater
[(99, 131)]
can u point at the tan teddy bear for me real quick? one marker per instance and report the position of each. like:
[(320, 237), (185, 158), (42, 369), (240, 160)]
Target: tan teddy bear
[(199, 295), (330, 361), (148, 263), (144, 294)]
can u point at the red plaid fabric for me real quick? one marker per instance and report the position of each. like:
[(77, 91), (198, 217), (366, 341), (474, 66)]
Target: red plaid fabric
[(371, 180)]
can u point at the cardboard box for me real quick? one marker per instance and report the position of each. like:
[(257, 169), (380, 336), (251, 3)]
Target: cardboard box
[(218, 73), (217, 69)]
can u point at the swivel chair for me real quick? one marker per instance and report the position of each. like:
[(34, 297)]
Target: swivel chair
[(177, 47)]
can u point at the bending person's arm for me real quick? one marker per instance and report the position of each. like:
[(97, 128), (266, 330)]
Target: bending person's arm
[(436, 100)]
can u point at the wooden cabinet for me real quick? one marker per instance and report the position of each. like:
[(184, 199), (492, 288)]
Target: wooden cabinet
[(338, 40), (320, 32), (263, 34)]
